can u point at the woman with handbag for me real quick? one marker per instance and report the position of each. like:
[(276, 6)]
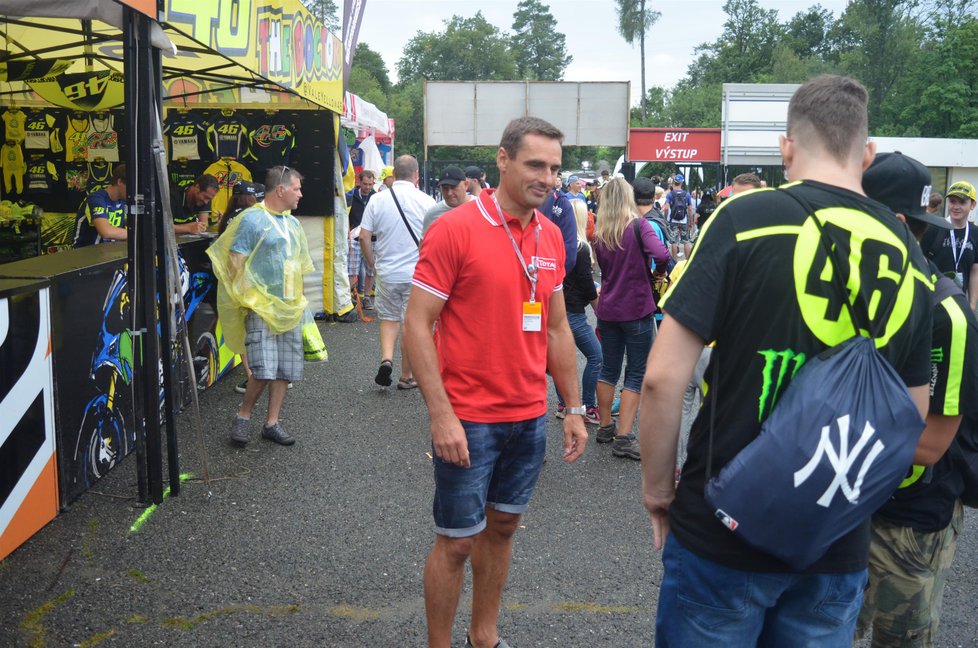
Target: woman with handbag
[(624, 244)]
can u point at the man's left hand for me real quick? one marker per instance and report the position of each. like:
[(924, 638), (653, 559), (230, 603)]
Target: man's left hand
[(575, 437)]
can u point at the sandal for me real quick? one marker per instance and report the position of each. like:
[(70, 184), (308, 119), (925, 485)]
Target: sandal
[(383, 377), (407, 383)]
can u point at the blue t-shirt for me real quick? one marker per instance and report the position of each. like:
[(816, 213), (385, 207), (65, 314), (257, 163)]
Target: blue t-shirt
[(558, 209), (97, 205)]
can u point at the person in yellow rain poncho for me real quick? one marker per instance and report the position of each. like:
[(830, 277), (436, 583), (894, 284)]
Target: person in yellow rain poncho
[(259, 262)]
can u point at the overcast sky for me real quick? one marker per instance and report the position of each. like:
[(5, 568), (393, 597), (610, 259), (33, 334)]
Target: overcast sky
[(590, 26)]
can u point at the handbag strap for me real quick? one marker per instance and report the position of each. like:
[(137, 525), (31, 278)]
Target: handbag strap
[(404, 218)]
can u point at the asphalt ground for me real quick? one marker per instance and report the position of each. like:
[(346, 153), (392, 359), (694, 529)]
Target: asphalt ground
[(323, 543)]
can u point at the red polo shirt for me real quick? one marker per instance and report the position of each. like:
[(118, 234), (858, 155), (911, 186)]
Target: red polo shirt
[(493, 370)]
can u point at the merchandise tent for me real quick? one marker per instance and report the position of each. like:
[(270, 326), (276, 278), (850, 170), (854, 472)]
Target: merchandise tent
[(141, 60)]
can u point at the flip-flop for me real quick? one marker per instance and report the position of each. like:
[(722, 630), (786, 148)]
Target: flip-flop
[(383, 377), (407, 383)]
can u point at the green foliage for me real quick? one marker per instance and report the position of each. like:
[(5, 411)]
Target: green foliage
[(325, 11), (371, 62), (540, 50), (635, 19), (470, 49)]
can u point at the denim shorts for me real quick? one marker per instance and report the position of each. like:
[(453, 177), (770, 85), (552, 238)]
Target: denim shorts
[(392, 300), (506, 461), (621, 340), (703, 603)]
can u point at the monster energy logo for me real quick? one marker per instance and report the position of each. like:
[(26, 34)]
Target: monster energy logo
[(937, 355), (777, 364)]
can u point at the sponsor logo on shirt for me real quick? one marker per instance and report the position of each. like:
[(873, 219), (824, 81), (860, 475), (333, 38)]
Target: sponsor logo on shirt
[(544, 263)]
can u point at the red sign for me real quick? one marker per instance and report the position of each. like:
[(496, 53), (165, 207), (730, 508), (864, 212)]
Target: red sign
[(673, 145)]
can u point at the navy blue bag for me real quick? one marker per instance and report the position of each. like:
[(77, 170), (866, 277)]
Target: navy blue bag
[(835, 448)]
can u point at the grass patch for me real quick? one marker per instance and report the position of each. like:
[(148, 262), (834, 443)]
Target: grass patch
[(137, 576), (189, 623), (97, 639), (355, 613), (597, 608), (137, 619), (32, 623)]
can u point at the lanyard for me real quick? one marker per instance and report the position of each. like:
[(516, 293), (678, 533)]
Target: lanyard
[(528, 268), (955, 252)]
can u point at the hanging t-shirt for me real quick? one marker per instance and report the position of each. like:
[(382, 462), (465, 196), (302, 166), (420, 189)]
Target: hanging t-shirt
[(760, 260), (182, 133), (13, 125), (228, 174), (99, 176), (272, 141), (76, 177), (76, 139), (40, 133), (103, 142), (41, 175), (181, 175), (97, 205), (227, 137)]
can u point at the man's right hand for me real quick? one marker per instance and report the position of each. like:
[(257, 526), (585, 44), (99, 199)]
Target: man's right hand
[(451, 445)]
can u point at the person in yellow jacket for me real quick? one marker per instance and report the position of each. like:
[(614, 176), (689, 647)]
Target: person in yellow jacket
[(259, 262)]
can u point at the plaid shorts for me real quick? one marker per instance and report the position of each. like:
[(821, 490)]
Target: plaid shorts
[(355, 262), (270, 356)]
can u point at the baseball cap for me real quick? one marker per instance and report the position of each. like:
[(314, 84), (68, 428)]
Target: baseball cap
[(243, 188), (451, 176), (573, 179), (387, 172), (473, 172), (902, 184), (644, 189), (678, 179), (963, 189)]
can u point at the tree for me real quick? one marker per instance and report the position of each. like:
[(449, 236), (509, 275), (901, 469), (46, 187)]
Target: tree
[(325, 11), (470, 49), (541, 50), (634, 21), (744, 50), (372, 64)]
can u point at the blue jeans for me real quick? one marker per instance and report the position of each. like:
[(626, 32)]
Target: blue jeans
[(632, 339), (506, 459), (587, 343), (702, 603)]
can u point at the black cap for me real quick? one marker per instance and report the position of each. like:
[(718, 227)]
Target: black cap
[(902, 184), (255, 189), (473, 172), (644, 188), (451, 176)]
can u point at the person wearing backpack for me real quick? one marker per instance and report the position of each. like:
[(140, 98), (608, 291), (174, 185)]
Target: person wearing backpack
[(682, 218), (914, 535), (762, 283)]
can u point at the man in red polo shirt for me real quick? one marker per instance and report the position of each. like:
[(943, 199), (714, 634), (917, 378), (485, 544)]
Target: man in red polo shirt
[(490, 274)]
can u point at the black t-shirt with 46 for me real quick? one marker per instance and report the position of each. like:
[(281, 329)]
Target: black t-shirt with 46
[(759, 283)]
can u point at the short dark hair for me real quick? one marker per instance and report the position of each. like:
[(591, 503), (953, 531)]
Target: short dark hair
[(367, 173), (405, 167), (512, 138), (207, 181), (748, 179), (832, 110), (118, 174), (280, 175), (935, 200)]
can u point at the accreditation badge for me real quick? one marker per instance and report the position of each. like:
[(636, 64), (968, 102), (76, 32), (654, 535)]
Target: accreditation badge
[(532, 316)]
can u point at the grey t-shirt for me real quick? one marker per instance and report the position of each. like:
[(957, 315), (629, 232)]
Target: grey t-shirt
[(433, 214)]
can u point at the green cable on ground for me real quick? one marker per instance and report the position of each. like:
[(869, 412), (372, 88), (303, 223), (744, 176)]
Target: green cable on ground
[(141, 520)]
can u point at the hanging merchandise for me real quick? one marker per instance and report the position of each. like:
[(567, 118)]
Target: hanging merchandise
[(95, 90), (182, 175), (102, 141), (41, 174), (76, 137), (227, 136), (99, 176), (272, 140), (40, 132), (76, 177), (12, 162), (228, 173), (182, 131), (13, 125)]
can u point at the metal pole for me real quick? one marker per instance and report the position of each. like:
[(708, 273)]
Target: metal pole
[(133, 225)]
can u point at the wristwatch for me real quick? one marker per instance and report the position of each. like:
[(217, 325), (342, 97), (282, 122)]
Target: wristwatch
[(579, 410)]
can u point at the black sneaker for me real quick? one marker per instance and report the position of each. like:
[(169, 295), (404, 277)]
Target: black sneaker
[(242, 386), (277, 433), (626, 445), (348, 317), (499, 644), (383, 377), (240, 431), (607, 434)]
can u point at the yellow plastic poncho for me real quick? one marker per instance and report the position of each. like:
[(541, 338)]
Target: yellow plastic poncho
[(259, 261)]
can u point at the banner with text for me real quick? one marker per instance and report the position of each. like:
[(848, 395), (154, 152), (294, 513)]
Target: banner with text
[(278, 40), (352, 17), (674, 145)]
